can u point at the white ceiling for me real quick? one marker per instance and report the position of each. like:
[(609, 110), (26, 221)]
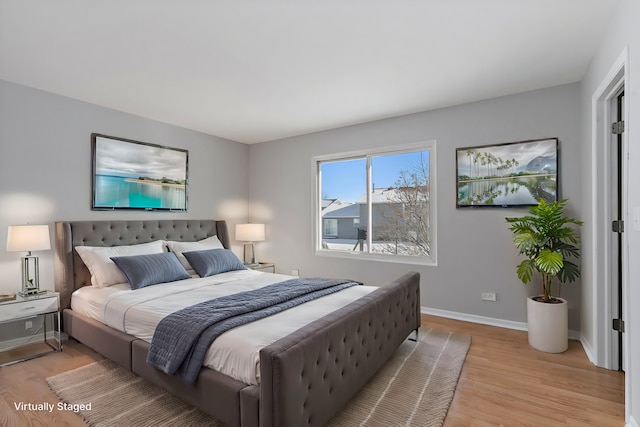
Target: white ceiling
[(258, 70)]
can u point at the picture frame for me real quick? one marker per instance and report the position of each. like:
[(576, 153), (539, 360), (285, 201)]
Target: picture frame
[(135, 175), (507, 175)]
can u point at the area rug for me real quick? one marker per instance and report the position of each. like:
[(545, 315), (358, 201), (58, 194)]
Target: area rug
[(414, 389)]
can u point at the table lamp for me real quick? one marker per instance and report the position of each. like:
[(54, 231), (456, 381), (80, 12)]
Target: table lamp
[(28, 238), (249, 233)]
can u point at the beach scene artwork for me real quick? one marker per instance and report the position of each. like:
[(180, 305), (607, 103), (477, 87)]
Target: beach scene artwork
[(511, 174), (134, 175)]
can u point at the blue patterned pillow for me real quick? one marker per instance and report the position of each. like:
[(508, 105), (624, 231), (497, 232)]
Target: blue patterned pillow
[(213, 261), (146, 270)]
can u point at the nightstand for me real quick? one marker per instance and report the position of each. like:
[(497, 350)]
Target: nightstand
[(267, 267), (41, 308)]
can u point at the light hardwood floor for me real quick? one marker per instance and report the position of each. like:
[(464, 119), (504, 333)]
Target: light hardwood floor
[(504, 382)]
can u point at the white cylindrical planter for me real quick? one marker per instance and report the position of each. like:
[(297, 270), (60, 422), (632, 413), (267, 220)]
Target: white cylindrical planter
[(548, 325)]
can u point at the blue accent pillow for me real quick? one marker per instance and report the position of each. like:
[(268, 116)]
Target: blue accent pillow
[(213, 261), (151, 269)]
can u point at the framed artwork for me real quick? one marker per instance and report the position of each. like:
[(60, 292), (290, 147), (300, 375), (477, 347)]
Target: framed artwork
[(507, 175), (137, 175)]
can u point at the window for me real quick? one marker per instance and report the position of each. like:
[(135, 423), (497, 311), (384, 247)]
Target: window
[(377, 204), (331, 227)]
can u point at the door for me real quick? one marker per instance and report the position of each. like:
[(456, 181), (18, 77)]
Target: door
[(617, 226)]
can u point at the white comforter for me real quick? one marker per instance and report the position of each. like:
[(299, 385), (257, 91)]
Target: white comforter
[(236, 352)]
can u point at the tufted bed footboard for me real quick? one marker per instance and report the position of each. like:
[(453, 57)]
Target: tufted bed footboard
[(308, 376)]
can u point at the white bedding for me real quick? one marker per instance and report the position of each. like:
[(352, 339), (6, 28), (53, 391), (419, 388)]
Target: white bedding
[(236, 352)]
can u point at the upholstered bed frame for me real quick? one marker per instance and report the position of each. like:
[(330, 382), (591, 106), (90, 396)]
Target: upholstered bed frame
[(306, 377)]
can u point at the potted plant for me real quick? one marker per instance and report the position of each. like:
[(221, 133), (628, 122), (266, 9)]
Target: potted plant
[(548, 239)]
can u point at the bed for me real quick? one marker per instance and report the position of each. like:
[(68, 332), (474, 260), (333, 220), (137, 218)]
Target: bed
[(306, 377)]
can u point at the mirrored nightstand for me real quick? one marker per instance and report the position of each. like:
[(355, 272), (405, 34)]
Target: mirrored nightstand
[(41, 311)]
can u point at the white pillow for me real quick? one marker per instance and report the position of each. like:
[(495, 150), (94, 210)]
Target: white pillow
[(201, 245), (105, 272)]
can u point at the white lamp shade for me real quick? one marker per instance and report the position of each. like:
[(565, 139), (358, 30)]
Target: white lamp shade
[(250, 232), (26, 238)]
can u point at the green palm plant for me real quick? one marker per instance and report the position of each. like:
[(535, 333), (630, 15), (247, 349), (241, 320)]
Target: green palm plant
[(547, 239)]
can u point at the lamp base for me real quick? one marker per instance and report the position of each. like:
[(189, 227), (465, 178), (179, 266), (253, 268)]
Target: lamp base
[(249, 255), (30, 276)]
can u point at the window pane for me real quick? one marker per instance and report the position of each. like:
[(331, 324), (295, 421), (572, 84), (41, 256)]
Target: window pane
[(400, 204), (331, 227), (378, 204), (342, 186)]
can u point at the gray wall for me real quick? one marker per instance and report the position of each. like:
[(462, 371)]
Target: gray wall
[(475, 250), (623, 33), (45, 168)]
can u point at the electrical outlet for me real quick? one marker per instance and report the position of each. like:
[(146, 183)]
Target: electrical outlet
[(489, 296), (28, 325), (295, 272)]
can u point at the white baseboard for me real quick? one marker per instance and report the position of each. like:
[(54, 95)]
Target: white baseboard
[(588, 351), (491, 321)]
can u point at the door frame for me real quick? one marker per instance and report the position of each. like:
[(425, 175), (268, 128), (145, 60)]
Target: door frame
[(605, 338)]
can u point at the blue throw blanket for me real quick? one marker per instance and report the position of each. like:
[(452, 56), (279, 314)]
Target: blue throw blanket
[(181, 340)]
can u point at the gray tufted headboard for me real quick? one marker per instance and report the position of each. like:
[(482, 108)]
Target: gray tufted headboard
[(70, 271)]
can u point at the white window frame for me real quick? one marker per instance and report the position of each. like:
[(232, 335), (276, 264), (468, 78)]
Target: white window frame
[(390, 150)]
